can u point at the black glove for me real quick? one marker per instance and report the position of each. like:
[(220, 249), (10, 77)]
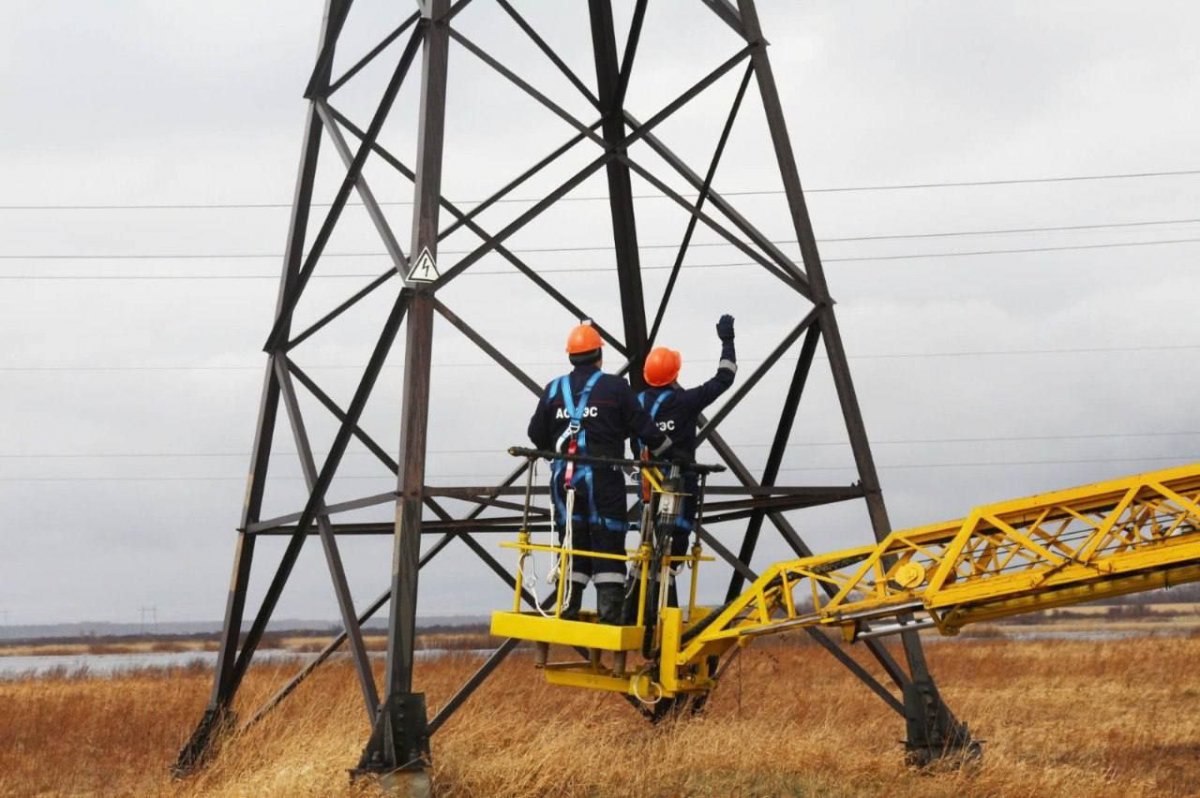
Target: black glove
[(725, 328)]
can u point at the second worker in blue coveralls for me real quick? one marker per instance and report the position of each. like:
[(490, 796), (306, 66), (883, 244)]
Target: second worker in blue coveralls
[(589, 412), (676, 410)]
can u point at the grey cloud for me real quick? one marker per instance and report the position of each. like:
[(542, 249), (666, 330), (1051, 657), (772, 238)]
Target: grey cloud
[(153, 102)]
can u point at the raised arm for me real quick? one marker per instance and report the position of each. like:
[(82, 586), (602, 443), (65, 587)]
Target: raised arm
[(705, 394)]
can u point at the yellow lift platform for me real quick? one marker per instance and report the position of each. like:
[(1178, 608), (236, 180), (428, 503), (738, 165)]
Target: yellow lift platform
[(1107, 539)]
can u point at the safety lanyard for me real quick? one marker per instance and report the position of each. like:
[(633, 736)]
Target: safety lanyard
[(575, 412)]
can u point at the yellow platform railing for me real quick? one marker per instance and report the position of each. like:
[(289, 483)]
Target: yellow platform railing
[(639, 561)]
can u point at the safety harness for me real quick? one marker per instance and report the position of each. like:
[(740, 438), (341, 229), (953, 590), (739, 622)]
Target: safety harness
[(574, 435), (653, 409), (680, 521), (574, 438)]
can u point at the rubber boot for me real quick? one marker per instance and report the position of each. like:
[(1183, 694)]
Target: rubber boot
[(610, 599), (574, 603)]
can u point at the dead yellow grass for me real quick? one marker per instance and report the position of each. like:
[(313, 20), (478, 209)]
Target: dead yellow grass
[(106, 647), (1061, 719), (1139, 627)]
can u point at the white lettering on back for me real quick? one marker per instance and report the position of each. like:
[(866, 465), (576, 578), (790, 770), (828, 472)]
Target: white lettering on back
[(588, 412)]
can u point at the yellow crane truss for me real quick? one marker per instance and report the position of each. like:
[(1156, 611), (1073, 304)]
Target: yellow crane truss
[(1095, 541)]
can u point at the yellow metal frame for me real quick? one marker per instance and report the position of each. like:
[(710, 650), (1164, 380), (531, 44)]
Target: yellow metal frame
[(540, 629), (1049, 550), (551, 627), (1074, 545)]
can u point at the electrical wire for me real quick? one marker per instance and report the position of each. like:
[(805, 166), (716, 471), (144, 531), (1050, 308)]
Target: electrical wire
[(672, 246), (594, 248), (992, 463), (911, 186), (392, 477), (489, 364), (572, 270), (598, 198), (795, 445)]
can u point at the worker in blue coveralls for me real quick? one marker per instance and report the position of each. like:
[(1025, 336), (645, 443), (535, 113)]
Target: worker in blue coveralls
[(588, 412), (675, 412)]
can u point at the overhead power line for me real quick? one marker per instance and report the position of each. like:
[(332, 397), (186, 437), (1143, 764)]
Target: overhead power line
[(1191, 458), (489, 364), (1064, 228), (1019, 251), (994, 463), (509, 273), (603, 247), (598, 198), (500, 449), (388, 476), (994, 232)]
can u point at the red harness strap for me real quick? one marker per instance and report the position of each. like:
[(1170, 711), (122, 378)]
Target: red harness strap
[(572, 448)]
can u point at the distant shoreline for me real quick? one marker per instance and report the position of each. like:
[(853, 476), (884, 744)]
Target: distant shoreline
[(297, 640), (472, 633)]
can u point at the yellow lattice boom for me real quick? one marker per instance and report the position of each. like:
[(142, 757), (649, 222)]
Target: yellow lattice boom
[(1126, 535), (1111, 538)]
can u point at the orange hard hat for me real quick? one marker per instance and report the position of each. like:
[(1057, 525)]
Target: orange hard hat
[(583, 338), (662, 366)]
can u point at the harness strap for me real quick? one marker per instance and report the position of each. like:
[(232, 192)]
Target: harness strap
[(654, 408), (662, 397), (572, 436)]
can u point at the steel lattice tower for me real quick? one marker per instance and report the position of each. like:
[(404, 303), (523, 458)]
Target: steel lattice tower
[(399, 722)]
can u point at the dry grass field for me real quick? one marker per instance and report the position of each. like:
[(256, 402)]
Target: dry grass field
[(1119, 718)]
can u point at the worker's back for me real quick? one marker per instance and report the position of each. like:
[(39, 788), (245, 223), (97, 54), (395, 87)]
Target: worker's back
[(589, 413), (610, 413)]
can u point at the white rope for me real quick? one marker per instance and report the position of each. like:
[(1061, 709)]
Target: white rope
[(552, 572), (568, 544), (531, 582), (637, 678)]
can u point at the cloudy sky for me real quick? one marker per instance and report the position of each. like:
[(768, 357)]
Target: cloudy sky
[(148, 156)]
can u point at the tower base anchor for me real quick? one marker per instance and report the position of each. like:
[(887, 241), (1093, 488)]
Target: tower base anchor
[(199, 747), (935, 737), (398, 751)]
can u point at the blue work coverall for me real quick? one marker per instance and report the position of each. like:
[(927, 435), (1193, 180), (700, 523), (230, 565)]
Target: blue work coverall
[(608, 413), (675, 412)]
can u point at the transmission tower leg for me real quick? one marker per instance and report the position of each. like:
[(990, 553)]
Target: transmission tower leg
[(218, 716), (399, 743), (932, 728), (932, 732)]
